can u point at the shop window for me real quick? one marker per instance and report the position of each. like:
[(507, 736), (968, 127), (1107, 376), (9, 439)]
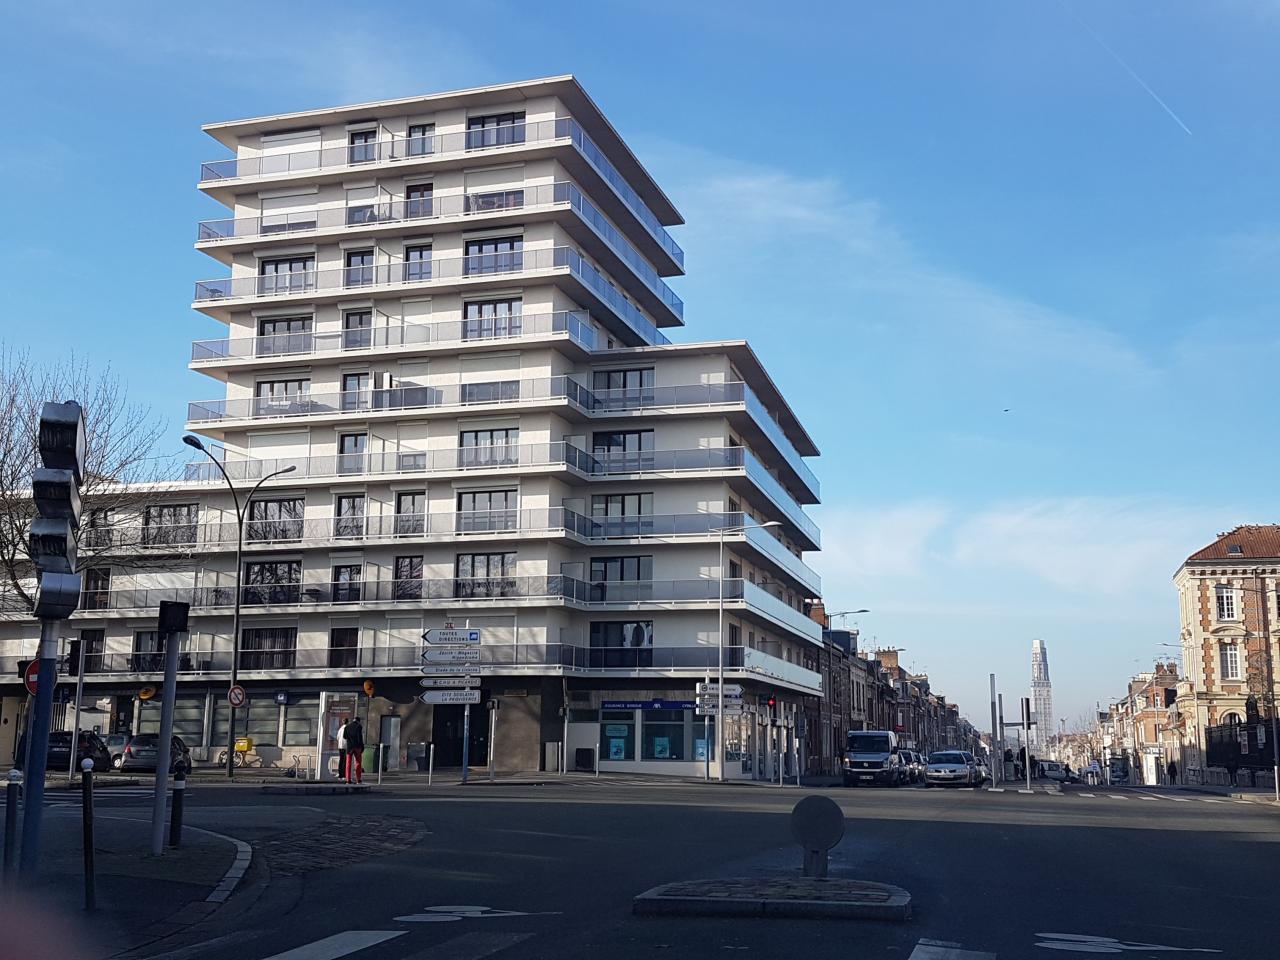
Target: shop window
[(617, 735), (663, 735), (300, 720)]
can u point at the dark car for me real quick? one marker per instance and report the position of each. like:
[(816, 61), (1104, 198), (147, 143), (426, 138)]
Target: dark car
[(116, 742), (143, 751), (58, 757)]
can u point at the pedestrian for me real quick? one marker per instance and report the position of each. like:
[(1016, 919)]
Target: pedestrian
[(355, 751), (341, 738), (1173, 772), (1232, 767)]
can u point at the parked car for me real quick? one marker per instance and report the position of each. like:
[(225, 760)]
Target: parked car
[(950, 768), (58, 757), (116, 742), (1053, 770), (873, 757), (915, 764), (143, 750), (981, 769)]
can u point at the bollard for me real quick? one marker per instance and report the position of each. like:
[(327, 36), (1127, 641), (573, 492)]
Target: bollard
[(431, 763), (381, 747), (817, 824), (11, 791), (179, 796), (86, 807)]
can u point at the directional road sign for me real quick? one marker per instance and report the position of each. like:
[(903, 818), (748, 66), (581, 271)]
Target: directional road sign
[(710, 700), (730, 710), (450, 696), (449, 681), (730, 689), (437, 635), (449, 669), (451, 654)]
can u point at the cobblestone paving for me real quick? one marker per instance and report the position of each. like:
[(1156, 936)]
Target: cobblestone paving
[(798, 888), (338, 842)]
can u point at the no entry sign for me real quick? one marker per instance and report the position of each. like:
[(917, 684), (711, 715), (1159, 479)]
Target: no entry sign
[(31, 675)]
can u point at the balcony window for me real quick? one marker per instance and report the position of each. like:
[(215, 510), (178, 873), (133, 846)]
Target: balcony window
[(279, 397), (362, 146), (489, 319), (352, 448), (355, 391), (411, 513), (266, 648), (275, 519), (96, 528), (344, 647), (488, 510), (357, 330), (495, 130), (273, 581), (621, 579), (418, 201), (623, 451), (346, 582), (485, 575), (494, 200), (621, 643), (494, 255), (169, 524), (623, 389), (417, 263), (287, 275), (93, 646), (408, 582), (359, 268), (494, 391), (621, 514), (421, 141), (486, 448), (348, 519), (148, 652), (97, 589), (283, 335)]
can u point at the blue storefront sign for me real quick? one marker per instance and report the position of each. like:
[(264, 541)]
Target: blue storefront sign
[(647, 705)]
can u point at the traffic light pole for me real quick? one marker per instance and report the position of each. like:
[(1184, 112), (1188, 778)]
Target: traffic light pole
[(38, 747)]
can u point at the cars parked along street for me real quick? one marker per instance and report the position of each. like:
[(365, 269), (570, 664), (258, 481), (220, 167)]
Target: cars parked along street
[(950, 768), (142, 753)]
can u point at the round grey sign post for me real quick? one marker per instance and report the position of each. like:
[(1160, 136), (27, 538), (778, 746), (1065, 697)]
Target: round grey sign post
[(817, 823)]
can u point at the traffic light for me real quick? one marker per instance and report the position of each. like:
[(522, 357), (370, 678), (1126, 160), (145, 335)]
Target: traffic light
[(773, 702), (55, 489)]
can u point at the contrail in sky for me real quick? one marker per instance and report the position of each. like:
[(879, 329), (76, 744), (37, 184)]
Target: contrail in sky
[(1128, 69)]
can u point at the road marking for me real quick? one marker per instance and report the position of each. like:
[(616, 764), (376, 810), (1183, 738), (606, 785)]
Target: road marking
[(995, 789), (471, 946), (1117, 796), (1143, 796), (1179, 799), (1209, 800), (339, 945), (946, 950), (1026, 791), (1089, 795), (1078, 943)]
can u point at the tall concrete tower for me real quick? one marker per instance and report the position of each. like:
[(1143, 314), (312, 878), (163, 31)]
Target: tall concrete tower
[(1041, 696)]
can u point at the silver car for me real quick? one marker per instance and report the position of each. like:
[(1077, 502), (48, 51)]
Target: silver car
[(950, 768)]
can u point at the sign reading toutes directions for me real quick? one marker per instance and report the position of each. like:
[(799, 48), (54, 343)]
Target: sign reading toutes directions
[(450, 696), (449, 635)]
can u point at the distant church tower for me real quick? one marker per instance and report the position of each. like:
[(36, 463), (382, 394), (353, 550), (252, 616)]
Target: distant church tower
[(1041, 696)]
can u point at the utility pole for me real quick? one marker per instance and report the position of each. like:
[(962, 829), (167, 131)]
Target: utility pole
[(55, 488), (996, 737)]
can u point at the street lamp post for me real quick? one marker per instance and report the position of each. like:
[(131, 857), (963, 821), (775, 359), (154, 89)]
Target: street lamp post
[(241, 513), (721, 531)]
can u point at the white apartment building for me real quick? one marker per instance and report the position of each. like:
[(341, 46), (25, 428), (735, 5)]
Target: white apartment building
[(446, 314)]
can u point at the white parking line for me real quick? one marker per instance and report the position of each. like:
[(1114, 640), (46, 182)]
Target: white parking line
[(1143, 796), (1026, 791), (338, 945), (1089, 795), (1117, 796)]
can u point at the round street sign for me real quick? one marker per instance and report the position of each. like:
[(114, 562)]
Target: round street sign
[(236, 696), (31, 675)]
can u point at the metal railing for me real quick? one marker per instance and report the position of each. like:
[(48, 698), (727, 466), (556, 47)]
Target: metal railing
[(400, 149), (444, 270), (575, 323), (448, 206), (773, 430)]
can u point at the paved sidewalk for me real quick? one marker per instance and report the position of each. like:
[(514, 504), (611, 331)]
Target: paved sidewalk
[(139, 896), (1256, 794)]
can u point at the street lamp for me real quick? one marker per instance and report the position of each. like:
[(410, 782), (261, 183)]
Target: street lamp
[(721, 531), (241, 513)]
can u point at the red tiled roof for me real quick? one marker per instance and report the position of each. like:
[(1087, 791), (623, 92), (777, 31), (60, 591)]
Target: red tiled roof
[(1258, 542)]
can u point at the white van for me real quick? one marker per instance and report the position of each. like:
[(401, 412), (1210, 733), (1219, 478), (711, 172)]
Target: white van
[(871, 757)]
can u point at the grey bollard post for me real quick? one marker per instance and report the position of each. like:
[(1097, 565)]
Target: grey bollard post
[(381, 747), (179, 800), (431, 763), (11, 791), (817, 824), (86, 807)]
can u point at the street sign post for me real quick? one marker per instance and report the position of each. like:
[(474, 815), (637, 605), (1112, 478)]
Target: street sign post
[(449, 669), (451, 682), (450, 696), (451, 654), (437, 635), (236, 696)]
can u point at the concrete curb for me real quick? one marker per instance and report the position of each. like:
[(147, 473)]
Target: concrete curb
[(320, 789), (849, 900)]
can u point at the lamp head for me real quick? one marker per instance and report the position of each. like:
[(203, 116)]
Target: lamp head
[(289, 469), (192, 441)]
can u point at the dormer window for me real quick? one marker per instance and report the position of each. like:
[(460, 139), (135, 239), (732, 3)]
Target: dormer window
[(1235, 550)]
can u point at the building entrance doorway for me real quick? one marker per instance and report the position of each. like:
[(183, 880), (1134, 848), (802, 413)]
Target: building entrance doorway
[(446, 733)]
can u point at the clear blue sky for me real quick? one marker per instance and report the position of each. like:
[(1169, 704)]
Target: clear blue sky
[(923, 215)]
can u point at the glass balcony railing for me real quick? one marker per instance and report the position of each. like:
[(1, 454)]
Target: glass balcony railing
[(401, 149), (773, 430), (781, 613), (769, 545), (781, 498), (450, 332), (529, 197), (447, 270)]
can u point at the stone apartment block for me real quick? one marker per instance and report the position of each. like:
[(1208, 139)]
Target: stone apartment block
[(446, 317)]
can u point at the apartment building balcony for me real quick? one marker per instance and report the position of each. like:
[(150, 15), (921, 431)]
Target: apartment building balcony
[(572, 326), (531, 203), (495, 659), (561, 137), (583, 282), (737, 465), (739, 596), (734, 399)]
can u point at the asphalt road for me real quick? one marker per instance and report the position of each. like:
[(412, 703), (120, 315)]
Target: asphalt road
[(549, 871)]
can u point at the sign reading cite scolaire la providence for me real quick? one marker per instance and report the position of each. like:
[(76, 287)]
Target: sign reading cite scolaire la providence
[(450, 696)]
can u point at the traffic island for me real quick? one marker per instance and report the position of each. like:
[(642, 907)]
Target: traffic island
[(799, 897)]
